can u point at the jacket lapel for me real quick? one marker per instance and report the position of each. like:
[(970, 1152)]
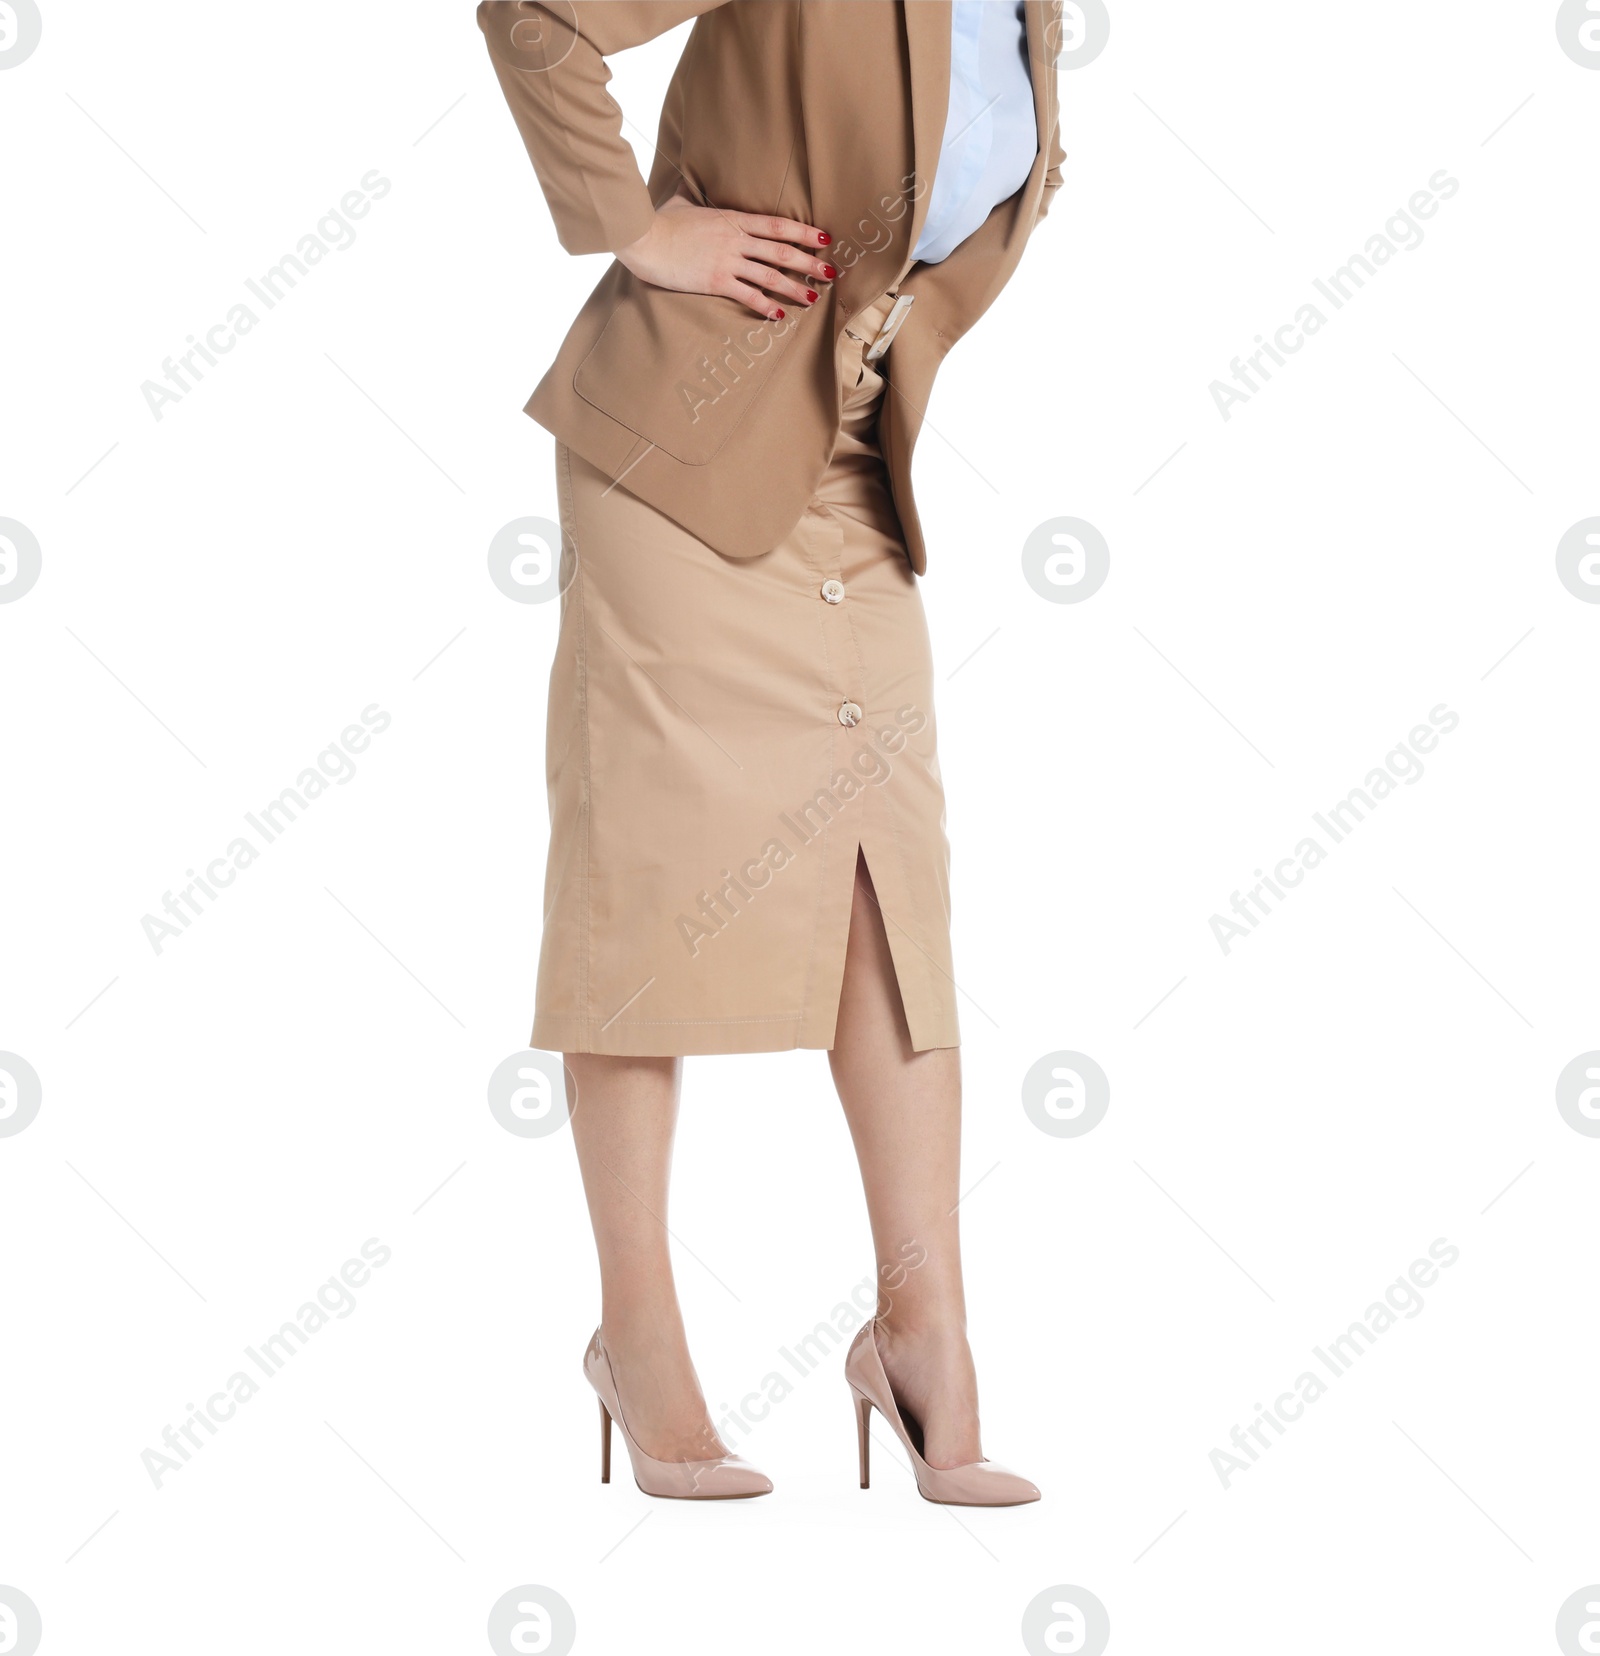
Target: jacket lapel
[(928, 47)]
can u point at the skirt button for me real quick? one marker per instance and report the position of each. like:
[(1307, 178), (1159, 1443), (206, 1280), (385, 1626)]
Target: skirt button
[(833, 591), (849, 714)]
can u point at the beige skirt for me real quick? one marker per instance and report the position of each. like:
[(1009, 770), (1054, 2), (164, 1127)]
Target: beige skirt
[(724, 735)]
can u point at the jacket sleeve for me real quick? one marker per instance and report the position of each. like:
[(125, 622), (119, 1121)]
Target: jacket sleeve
[(550, 61), (1052, 176)]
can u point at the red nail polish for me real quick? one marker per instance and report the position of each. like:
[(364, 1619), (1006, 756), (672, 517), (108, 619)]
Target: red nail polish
[(824, 238), (811, 298), (829, 272), (777, 316)]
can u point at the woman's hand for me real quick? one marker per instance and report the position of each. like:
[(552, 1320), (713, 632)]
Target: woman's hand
[(744, 256)]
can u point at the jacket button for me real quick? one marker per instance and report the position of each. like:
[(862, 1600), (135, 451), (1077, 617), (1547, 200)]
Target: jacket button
[(849, 713), (833, 591)]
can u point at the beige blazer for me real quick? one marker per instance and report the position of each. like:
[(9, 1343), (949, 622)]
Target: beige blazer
[(830, 112)]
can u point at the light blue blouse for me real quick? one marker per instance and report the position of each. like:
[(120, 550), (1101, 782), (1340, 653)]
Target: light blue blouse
[(990, 134)]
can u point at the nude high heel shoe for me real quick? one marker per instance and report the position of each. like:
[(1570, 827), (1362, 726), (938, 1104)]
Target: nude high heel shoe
[(979, 1483), (727, 1478)]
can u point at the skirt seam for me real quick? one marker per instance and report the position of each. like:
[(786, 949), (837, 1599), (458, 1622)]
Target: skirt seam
[(826, 848), (906, 884), (585, 811)]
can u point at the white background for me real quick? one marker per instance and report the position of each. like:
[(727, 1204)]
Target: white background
[(223, 590)]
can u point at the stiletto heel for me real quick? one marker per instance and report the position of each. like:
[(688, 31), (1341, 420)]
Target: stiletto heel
[(725, 1478), (979, 1483), (863, 1434)]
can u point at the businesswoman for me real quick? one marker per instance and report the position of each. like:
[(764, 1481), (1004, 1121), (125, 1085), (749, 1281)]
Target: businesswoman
[(747, 825)]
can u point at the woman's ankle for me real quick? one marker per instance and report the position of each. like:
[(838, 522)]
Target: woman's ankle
[(924, 1324), (644, 1320)]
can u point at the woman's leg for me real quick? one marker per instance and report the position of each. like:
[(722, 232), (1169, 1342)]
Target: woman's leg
[(904, 1111), (624, 1112)]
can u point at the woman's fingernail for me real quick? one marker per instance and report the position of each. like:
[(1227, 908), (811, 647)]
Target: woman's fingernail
[(829, 272), (777, 316), (811, 298), (824, 238)]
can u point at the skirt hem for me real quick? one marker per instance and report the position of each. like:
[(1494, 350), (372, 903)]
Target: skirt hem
[(558, 1032)]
